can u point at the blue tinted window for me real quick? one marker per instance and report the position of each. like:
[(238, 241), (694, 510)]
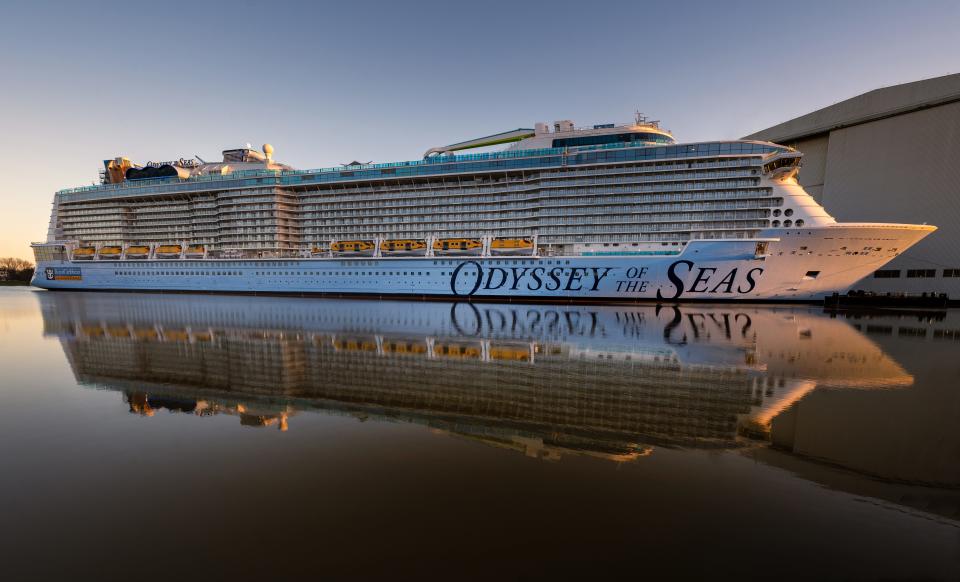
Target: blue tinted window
[(610, 138)]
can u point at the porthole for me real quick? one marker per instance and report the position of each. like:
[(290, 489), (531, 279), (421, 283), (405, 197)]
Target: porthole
[(788, 212), (776, 223), (787, 223), (799, 222), (776, 212)]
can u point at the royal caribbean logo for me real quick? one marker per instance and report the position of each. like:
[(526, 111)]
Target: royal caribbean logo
[(63, 274)]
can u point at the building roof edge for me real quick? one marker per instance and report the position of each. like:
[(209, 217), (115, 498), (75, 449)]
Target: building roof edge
[(866, 107)]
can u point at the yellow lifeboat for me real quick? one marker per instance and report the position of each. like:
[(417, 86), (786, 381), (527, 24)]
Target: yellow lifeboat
[(403, 247), (458, 351), (176, 335), (511, 246), (84, 253), (457, 246), (510, 353), (196, 251), (404, 347), (110, 252), (118, 332), (92, 331), (168, 251), (138, 251), (147, 333), (355, 344), (317, 251), (353, 247)]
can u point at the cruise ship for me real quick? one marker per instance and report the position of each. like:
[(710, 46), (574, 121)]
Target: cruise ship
[(603, 213)]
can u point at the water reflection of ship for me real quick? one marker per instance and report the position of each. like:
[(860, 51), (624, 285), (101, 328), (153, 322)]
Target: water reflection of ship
[(609, 381)]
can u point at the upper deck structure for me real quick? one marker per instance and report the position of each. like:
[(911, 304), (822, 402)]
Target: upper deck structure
[(606, 184)]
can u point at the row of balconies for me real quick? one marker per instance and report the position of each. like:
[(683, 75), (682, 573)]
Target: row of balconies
[(376, 194), (541, 198), (554, 206)]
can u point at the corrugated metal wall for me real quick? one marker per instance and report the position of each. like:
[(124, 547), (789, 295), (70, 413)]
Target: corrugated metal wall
[(904, 168)]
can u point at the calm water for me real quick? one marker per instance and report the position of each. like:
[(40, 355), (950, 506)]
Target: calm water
[(182, 437)]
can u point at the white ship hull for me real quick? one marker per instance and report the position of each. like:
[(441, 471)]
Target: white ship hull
[(804, 264)]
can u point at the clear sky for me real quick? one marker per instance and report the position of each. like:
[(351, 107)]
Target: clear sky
[(328, 83)]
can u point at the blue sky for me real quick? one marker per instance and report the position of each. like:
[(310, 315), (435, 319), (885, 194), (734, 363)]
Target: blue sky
[(327, 83)]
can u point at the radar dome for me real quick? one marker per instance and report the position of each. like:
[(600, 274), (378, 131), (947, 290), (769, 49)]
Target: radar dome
[(268, 149)]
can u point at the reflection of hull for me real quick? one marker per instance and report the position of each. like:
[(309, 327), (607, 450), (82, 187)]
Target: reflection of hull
[(780, 342), (599, 378)]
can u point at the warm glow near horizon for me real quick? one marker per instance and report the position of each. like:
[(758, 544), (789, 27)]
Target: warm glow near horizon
[(390, 83)]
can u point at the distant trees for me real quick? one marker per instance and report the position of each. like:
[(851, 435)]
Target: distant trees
[(14, 269)]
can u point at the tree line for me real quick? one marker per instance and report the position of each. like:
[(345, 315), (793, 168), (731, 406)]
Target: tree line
[(14, 269)]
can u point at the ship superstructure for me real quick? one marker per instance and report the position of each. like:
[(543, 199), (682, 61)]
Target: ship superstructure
[(606, 199)]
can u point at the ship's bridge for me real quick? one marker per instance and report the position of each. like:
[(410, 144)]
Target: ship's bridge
[(565, 134)]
